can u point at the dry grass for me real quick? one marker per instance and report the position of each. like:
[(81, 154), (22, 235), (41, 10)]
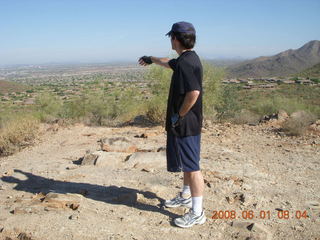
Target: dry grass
[(298, 123), (246, 117), (17, 133)]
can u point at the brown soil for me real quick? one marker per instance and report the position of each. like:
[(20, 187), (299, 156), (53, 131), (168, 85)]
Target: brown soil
[(45, 194)]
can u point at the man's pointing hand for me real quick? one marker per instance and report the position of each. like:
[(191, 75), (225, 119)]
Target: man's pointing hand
[(145, 60)]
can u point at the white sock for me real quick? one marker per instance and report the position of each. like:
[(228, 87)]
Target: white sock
[(197, 205), (186, 191)]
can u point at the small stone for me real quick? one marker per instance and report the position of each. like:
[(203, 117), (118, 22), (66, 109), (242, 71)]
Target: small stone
[(73, 217), (298, 228), (161, 149), (147, 170), (246, 186), (89, 159), (8, 173), (146, 135), (74, 206), (23, 236), (72, 167), (207, 183), (236, 197), (21, 210), (282, 115)]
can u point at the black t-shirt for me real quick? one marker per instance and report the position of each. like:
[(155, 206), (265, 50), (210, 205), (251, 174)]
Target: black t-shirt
[(186, 77)]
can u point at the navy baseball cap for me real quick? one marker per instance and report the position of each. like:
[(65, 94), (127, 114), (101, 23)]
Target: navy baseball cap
[(182, 27)]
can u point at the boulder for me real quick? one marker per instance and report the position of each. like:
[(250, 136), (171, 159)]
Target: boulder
[(62, 201), (110, 159), (147, 160), (119, 144)]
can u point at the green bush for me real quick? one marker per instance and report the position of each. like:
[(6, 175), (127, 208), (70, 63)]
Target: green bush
[(213, 99), (102, 108), (48, 107), (159, 79), (270, 105), (229, 104), (315, 80)]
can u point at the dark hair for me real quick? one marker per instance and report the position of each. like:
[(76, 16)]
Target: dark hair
[(187, 40)]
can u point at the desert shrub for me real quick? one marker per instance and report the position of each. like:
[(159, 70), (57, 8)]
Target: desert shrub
[(246, 117), (228, 106), (159, 79), (159, 83), (48, 107), (96, 107), (213, 100), (74, 109), (124, 105), (298, 123), (102, 108), (270, 105), (16, 132), (156, 110), (315, 80)]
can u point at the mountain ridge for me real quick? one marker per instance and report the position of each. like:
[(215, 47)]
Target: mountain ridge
[(284, 63)]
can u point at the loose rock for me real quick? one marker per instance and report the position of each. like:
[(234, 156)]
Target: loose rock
[(89, 159), (120, 144)]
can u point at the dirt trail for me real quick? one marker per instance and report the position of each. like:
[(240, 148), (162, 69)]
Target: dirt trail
[(250, 170)]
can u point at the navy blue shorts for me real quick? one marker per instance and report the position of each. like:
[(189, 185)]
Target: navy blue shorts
[(183, 153)]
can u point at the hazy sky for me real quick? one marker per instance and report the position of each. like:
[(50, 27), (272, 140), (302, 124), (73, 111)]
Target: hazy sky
[(100, 31)]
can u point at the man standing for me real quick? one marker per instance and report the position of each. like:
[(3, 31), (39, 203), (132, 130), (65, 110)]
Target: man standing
[(184, 121)]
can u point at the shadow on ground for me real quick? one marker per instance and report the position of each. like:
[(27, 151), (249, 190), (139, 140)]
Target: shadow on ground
[(108, 194)]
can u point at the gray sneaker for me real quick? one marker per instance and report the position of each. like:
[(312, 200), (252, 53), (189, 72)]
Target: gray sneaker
[(190, 219), (179, 201)]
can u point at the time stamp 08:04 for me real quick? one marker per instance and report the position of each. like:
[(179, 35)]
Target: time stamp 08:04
[(262, 214)]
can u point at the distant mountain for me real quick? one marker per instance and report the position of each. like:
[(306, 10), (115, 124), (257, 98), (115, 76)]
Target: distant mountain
[(313, 72), (225, 62), (283, 64)]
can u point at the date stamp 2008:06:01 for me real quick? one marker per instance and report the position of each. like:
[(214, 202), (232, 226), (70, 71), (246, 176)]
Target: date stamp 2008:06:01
[(262, 214)]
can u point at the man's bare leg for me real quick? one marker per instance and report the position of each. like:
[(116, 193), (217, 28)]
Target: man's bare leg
[(195, 180)]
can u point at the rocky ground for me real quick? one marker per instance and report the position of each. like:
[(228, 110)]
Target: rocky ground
[(72, 185)]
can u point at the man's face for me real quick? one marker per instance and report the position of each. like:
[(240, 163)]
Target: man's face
[(173, 43)]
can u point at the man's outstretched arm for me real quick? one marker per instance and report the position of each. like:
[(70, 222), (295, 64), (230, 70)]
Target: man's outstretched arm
[(146, 60)]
